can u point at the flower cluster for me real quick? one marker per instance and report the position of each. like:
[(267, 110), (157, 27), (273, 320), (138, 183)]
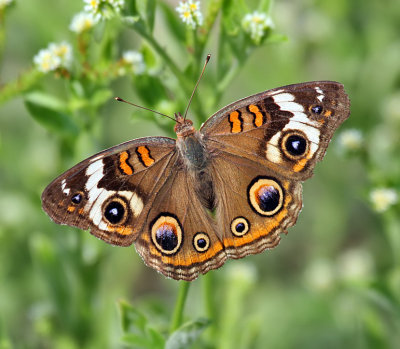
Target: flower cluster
[(383, 198), (53, 57), (256, 25), (103, 9), (83, 21), (5, 3), (134, 60), (190, 14)]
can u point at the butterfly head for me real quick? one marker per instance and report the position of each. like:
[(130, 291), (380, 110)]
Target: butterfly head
[(183, 127)]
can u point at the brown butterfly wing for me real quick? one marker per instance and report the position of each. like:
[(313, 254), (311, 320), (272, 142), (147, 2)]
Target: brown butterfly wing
[(110, 192), (180, 238), (254, 206), (262, 147), (268, 126)]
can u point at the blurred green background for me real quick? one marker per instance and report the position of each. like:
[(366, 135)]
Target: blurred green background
[(334, 281)]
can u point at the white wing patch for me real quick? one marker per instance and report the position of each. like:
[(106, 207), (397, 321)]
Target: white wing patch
[(299, 121), (320, 96), (96, 195), (65, 190)]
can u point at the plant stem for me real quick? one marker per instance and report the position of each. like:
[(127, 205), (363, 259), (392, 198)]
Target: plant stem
[(179, 306)]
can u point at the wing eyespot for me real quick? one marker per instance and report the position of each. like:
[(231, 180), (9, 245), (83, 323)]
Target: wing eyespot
[(240, 226), (294, 145), (115, 210), (201, 242)]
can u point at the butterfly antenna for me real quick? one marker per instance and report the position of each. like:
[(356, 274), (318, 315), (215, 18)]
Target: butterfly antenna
[(139, 106), (195, 88)]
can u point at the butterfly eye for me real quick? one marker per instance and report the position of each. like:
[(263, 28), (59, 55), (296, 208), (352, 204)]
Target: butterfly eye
[(201, 242), (240, 226), (166, 234), (265, 196), (294, 145), (115, 211)]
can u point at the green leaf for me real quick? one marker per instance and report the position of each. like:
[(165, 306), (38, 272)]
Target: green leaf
[(176, 26), (100, 97), (150, 14), (51, 113), (132, 320), (150, 89), (187, 334)]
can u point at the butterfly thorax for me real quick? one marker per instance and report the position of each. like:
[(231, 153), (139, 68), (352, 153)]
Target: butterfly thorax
[(195, 158)]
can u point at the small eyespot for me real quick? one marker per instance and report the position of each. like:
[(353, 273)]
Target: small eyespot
[(240, 226), (294, 144), (115, 210), (77, 198), (316, 109), (201, 242), (166, 234), (265, 196)]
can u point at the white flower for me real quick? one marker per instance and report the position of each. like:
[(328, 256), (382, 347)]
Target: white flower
[(103, 9), (53, 57), (82, 21), (383, 198), (355, 265), (46, 61), (62, 50), (320, 275), (135, 60), (351, 139), (189, 12), (4, 3), (255, 24)]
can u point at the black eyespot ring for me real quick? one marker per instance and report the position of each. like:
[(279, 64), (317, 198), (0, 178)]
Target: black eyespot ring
[(240, 226), (115, 210), (166, 233), (201, 242), (294, 144), (265, 196)]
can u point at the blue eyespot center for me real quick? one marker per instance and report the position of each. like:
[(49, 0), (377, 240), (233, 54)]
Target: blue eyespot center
[(166, 237)]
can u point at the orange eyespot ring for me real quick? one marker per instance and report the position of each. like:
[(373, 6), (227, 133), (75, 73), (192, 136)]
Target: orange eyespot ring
[(265, 196), (201, 242), (166, 234), (240, 226)]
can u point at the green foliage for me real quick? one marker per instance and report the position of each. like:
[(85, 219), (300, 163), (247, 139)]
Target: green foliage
[(333, 282)]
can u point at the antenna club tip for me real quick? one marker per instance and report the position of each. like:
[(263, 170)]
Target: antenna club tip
[(118, 99), (208, 57)]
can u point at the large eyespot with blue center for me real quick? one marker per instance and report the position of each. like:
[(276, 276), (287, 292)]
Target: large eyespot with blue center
[(166, 234), (265, 196), (115, 210), (201, 242), (240, 226), (294, 144)]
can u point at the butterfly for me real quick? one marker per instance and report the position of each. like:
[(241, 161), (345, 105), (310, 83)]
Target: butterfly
[(225, 191)]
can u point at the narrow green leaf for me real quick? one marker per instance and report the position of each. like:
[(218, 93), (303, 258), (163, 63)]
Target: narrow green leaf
[(132, 320), (187, 334), (150, 14), (51, 113), (175, 24)]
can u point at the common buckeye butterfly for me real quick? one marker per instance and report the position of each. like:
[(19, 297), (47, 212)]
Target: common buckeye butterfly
[(225, 191)]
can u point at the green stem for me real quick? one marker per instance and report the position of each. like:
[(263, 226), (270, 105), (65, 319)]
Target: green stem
[(177, 316)]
